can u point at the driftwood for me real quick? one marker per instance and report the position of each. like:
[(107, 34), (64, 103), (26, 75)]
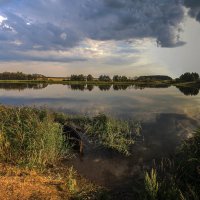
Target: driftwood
[(74, 137)]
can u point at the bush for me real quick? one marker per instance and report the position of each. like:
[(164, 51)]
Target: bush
[(30, 137), (189, 77), (105, 131), (111, 133)]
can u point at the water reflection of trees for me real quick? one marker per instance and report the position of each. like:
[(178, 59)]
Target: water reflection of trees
[(81, 87), (104, 87), (189, 91), (22, 86), (143, 86), (120, 87), (90, 87)]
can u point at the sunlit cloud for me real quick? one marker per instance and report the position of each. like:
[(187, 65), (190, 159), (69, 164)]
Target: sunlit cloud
[(109, 36)]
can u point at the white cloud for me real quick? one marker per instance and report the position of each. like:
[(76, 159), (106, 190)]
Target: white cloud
[(2, 18)]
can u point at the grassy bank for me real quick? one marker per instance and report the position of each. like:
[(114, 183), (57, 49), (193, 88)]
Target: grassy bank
[(32, 146), (30, 137), (57, 183), (104, 131), (34, 138)]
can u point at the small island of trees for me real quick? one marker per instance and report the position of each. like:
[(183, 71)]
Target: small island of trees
[(188, 77)]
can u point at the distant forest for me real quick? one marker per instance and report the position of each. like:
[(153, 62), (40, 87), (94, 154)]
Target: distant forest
[(20, 76), (186, 77)]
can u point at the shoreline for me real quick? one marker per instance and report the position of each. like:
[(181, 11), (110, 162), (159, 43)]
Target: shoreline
[(194, 84), (68, 82)]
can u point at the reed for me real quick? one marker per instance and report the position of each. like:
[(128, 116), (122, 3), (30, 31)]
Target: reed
[(30, 137)]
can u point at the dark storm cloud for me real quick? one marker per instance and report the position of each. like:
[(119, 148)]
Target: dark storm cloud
[(194, 6), (62, 24), (103, 20), (120, 20)]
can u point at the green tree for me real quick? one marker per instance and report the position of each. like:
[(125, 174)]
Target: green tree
[(80, 77), (90, 77), (117, 78), (20, 76), (189, 77), (104, 78)]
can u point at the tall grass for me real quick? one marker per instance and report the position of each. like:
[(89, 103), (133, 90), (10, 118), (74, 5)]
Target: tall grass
[(111, 133), (105, 131), (177, 178), (33, 137), (151, 184), (188, 166), (29, 136)]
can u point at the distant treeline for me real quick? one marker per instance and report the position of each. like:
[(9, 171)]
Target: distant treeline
[(154, 78), (20, 76), (117, 78), (186, 77), (81, 77)]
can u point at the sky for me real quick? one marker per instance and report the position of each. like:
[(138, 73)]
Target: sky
[(126, 37)]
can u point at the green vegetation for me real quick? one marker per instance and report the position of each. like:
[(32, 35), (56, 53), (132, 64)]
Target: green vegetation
[(188, 83), (154, 78), (188, 77), (105, 78), (33, 137), (20, 76), (177, 178), (117, 78), (80, 77), (151, 184), (104, 131), (111, 133), (30, 137), (90, 77), (185, 80)]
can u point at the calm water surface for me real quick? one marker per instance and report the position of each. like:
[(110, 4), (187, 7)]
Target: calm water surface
[(167, 116)]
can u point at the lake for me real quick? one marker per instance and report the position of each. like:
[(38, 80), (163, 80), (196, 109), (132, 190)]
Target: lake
[(167, 115)]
